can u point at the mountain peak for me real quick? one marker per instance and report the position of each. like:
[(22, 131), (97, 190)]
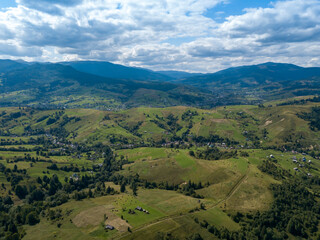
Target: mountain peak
[(111, 70)]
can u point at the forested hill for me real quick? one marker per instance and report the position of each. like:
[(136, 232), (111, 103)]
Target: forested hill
[(103, 85), (255, 75), (56, 85), (110, 70), (263, 81)]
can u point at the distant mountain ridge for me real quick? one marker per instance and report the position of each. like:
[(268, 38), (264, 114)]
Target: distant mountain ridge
[(265, 81), (111, 70), (92, 84), (9, 65), (179, 74), (60, 85), (261, 73)]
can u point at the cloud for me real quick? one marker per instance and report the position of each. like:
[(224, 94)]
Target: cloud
[(287, 21), (289, 31), (13, 49), (146, 33), (5, 33), (95, 26), (33, 3), (49, 6)]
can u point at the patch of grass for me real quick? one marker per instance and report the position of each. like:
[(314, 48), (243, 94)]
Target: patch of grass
[(126, 202), (168, 202), (184, 160), (216, 217)]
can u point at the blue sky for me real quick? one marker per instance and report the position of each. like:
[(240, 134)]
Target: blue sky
[(7, 3), (234, 7), (189, 35), (218, 13)]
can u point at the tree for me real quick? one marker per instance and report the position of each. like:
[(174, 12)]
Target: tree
[(36, 195), (32, 218), (191, 153), (123, 187), (7, 200), (20, 191), (39, 180), (134, 188), (90, 194), (196, 236), (14, 236), (55, 184)]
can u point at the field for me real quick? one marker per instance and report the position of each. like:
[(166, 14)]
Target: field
[(276, 125), (193, 171), (235, 185)]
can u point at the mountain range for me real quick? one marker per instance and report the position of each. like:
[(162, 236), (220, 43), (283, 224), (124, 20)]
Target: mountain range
[(267, 81), (104, 85)]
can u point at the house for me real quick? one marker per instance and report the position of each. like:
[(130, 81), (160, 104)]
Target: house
[(296, 169), (304, 159), (271, 156), (294, 160), (109, 227), (142, 210), (309, 174), (309, 161)]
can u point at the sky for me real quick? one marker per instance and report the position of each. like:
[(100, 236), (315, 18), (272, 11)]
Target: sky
[(188, 35)]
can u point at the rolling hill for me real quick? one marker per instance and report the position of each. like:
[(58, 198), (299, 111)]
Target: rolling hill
[(103, 85), (88, 174), (264, 81), (249, 125), (56, 85), (258, 74)]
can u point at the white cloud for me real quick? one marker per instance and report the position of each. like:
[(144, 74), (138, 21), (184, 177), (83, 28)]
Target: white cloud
[(287, 21), (135, 33)]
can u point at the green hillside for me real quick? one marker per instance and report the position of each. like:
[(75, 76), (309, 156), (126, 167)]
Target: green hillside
[(260, 126), (107, 86), (223, 173), (254, 83), (52, 86)]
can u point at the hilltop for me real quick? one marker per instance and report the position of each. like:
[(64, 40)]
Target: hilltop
[(276, 124), (110, 70)]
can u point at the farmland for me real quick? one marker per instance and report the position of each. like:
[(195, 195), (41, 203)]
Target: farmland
[(158, 173)]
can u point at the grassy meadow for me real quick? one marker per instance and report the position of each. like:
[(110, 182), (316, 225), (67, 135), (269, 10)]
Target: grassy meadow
[(149, 158)]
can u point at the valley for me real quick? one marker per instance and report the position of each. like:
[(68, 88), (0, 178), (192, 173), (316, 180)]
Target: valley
[(69, 173)]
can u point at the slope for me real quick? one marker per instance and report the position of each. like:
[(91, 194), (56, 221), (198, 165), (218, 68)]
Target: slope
[(56, 85), (263, 81), (111, 70)]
